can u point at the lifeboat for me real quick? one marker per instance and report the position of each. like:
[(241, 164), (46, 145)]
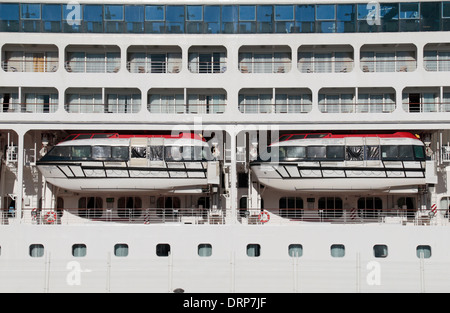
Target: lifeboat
[(110, 162), (330, 162)]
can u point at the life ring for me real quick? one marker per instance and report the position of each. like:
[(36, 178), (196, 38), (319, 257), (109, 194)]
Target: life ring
[(264, 217), (50, 217), (34, 214)]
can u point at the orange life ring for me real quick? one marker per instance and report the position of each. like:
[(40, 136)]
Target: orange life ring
[(50, 217), (264, 217)]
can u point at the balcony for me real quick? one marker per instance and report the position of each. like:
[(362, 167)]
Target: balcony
[(265, 59), (207, 59), (154, 59), (426, 99), (261, 101), (92, 59), (96, 100), (388, 58), (34, 100), (325, 59), (366, 100), (437, 57), (199, 101), (30, 58)]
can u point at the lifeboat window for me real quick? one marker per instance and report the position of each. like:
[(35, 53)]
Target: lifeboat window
[(81, 152), (419, 153), (101, 152), (354, 153), (59, 152), (295, 250), (294, 137), (139, 152), (397, 153), (335, 153), (173, 153), (119, 153), (156, 153), (372, 152), (316, 152)]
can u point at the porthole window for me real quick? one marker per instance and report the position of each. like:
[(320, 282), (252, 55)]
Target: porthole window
[(295, 250), (380, 251), (204, 249), (36, 250), (163, 250), (337, 251), (253, 250), (121, 250), (423, 252), (79, 250)]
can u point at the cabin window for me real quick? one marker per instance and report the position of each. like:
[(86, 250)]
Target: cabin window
[(291, 207), (369, 207), (163, 249), (36, 250), (419, 153), (372, 153), (121, 250), (330, 207), (204, 249), (380, 251), (337, 251), (79, 250), (423, 252), (129, 207), (295, 250), (397, 153), (253, 250), (90, 207), (173, 153)]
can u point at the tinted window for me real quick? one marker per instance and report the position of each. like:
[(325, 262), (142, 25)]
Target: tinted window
[(316, 152)]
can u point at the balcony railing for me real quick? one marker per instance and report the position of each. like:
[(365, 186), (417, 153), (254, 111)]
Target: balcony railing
[(425, 107), (250, 108), (30, 66), (102, 108), (325, 66), (207, 67), (29, 107), (92, 66), (154, 66), (379, 66), (359, 107), (265, 66), (278, 216), (190, 108)]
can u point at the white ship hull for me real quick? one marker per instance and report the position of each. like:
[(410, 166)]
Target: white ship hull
[(229, 269)]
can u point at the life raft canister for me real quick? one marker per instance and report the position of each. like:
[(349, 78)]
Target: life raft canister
[(50, 217), (264, 216)]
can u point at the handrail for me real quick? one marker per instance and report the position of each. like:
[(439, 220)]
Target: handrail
[(275, 216)]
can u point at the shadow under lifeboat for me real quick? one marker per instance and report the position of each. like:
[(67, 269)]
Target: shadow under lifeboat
[(343, 163), (113, 162)]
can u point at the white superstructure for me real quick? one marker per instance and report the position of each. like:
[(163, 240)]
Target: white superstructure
[(213, 211)]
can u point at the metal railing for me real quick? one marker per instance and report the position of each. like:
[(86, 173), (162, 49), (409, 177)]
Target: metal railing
[(154, 66), (316, 66), (198, 216), (93, 66), (30, 66), (265, 66)]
